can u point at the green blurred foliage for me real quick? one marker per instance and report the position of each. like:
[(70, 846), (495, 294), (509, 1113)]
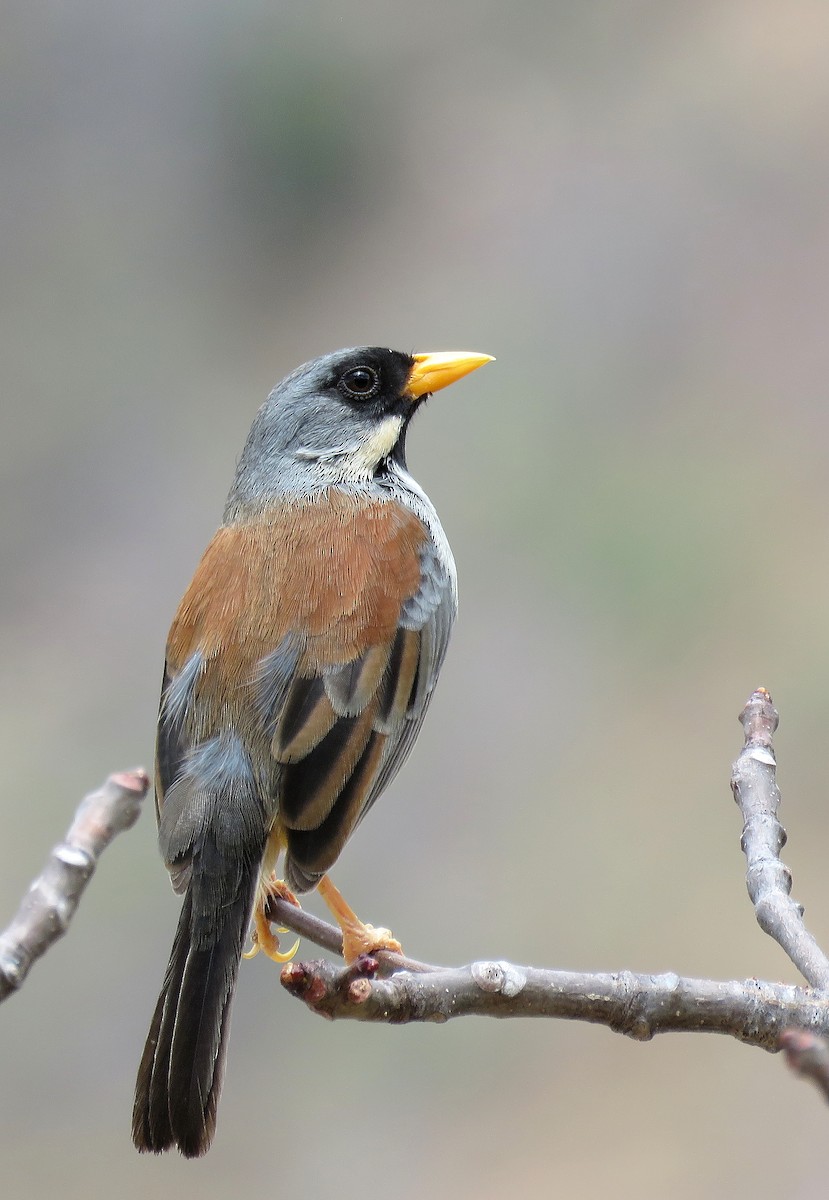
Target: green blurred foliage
[(304, 148)]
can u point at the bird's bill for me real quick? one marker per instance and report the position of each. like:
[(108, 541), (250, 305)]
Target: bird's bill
[(431, 372)]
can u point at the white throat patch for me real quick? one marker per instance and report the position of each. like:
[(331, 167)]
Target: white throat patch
[(377, 446), (359, 460)]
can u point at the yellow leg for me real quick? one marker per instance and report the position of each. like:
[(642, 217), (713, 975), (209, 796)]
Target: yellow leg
[(263, 937), (357, 938)]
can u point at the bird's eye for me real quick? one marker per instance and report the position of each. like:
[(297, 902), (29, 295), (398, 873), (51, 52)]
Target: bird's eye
[(360, 383)]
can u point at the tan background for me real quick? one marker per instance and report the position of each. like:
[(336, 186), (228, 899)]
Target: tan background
[(627, 204)]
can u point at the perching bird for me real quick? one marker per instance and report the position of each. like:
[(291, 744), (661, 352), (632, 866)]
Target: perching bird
[(299, 667)]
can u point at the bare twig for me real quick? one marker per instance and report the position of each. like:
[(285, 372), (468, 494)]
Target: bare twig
[(297, 920), (638, 1006), (50, 903), (387, 988), (768, 880), (807, 1055)]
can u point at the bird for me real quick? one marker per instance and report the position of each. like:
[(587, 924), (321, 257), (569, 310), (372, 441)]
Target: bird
[(299, 667)]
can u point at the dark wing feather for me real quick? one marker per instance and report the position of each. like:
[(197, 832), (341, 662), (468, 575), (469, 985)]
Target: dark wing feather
[(433, 641), (321, 846), (379, 700)]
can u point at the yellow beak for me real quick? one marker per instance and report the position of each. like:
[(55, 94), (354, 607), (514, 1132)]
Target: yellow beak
[(431, 372)]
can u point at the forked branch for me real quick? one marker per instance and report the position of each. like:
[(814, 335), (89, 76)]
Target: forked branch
[(387, 988), (390, 988)]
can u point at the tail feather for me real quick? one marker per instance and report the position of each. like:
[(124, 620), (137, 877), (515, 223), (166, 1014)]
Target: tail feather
[(181, 1070), (151, 1128)]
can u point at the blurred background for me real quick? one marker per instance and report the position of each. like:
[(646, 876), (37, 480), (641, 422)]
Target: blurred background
[(627, 205)]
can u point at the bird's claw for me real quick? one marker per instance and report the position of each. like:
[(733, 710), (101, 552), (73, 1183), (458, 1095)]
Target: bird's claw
[(263, 937)]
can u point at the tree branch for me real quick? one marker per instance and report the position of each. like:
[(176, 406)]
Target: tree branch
[(48, 907), (638, 1006), (393, 989), (769, 881), (389, 988)]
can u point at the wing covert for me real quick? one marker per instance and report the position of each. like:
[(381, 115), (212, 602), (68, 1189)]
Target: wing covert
[(326, 793)]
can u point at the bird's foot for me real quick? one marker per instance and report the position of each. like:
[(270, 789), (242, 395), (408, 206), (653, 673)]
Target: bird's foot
[(263, 937), (358, 938)]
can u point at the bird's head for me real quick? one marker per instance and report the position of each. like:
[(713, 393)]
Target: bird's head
[(338, 420)]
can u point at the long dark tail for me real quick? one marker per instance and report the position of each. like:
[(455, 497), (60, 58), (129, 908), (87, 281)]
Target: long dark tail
[(181, 1071)]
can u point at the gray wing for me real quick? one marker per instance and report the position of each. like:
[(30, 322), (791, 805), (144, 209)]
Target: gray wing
[(326, 792), (430, 614)]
